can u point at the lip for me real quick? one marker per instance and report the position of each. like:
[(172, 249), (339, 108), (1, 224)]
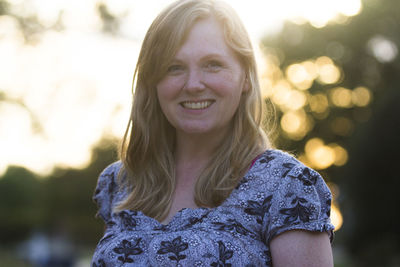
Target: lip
[(197, 104), (196, 107)]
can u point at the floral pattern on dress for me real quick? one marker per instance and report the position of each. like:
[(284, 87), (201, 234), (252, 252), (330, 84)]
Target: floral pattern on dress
[(299, 212), (233, 226), (128, 219), (277, 194), (224, 255), (258, 209), (128, 249), (175, 247)]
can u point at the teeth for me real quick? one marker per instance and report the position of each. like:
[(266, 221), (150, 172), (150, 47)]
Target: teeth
[(196, 105)]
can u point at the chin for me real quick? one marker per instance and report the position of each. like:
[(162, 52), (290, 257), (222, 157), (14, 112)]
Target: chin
[(195, 129)]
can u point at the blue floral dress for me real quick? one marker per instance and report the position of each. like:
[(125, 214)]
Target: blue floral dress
[(277, 194)]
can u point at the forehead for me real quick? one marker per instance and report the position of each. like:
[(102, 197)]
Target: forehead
[(205, 37)]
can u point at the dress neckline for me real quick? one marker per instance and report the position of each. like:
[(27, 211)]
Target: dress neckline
[(175, 220)]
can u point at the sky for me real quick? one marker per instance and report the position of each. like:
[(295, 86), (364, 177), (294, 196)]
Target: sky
[(76, 83)]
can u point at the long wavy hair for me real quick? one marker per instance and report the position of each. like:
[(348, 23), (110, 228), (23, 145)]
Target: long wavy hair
[(147, 150)]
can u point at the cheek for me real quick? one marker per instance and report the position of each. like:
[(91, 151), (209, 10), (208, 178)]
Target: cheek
[(227, 84), (162, 89), (168, 88)]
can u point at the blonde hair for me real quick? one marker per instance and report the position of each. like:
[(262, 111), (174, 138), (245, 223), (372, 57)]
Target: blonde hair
[(147, 150)]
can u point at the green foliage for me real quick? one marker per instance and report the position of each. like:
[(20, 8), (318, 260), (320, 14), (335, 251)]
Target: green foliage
[(3, 7), (20, 203), (369, 182), (60, 202)]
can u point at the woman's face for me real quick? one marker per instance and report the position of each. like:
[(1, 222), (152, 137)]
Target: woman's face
[(203, 85)]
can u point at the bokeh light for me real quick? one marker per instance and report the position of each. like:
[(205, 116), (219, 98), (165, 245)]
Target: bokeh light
[(302, 75), (383, 49), (319, 103), (341, 155), (328, 72), (328, 11), (320, 156), (65, 81), (336, 217), (77, 86), (341, 97), (361, 96), (296, 124), (76, 82)]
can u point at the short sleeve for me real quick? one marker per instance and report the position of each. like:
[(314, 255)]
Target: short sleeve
[(105, 191), (302, 200)]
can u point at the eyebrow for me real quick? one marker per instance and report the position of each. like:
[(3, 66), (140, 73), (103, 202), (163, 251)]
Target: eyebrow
[(213, 55), (206, 57)]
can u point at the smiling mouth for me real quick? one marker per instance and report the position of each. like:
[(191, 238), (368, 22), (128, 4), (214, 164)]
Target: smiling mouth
[(197, 104)]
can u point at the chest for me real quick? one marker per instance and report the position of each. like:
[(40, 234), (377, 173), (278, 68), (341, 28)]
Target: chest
[(194, 237), (183, 198)]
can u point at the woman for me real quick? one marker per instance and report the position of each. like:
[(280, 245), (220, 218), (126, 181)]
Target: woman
[(198, 184)]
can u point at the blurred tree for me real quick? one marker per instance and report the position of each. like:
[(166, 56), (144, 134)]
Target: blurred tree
[(111, 22), (58, 203), (365, 51), (35, 123), (29, 24), (32, 28), (61, 201), (3, 7), (21, 204), (69, 194), (323, 82), (370, 183)]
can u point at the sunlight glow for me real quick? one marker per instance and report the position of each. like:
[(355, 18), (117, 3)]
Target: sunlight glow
[(361, 96), (75, 111), (341, 97), (47, 12), (383, 49), (291, 122), (302, 75), (77, 82), (318, 103), (289, 99), (321, 156), (296, 124), (327, 11), (328, 72), (341, 155), (336, 217), (281, 92)]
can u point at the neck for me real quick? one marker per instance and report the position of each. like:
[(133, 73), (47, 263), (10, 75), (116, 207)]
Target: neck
[(192, 152)]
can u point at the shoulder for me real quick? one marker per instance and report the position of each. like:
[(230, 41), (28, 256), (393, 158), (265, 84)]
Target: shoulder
[(111, 169), (106, 188), (275, 156), (298, 195), (279, 164), (108, 178), (280, 172)]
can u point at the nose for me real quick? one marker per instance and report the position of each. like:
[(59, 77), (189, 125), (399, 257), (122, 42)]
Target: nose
[(195, 81)]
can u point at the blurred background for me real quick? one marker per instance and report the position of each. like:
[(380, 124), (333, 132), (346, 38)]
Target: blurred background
[(331, 68)]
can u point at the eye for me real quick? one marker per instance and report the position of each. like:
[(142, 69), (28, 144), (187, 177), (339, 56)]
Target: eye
[(175, 68), (213, 65)]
